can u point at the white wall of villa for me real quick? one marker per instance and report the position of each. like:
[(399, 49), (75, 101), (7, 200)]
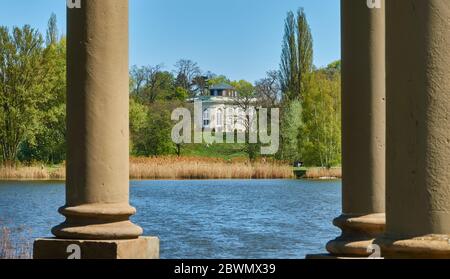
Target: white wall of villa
[(221, 114)]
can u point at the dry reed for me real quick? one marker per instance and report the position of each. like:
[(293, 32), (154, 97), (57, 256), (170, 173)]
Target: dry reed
[(35, 173), (170, 167), (205, 168), (323, 173)]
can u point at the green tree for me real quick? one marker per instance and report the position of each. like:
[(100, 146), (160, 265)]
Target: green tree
[(289, 61), (245, 101), (214, 80), (187, 76), (49, 143), (291, 114), (297, 55), (22, 90), (138, 122), (151, 83), (295, 69), (158, 140), (179, 94), (52, 31), (268, 90), (151, 128), (305, 48), (333, 70), (320, 133)]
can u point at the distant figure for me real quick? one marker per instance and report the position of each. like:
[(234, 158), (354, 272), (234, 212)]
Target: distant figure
[(298, 164)]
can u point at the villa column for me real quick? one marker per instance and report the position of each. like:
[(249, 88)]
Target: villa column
[(363, 128), (97, 206), (418, 130)]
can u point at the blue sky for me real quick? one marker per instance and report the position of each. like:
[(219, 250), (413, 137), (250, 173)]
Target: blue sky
[(238, 38)]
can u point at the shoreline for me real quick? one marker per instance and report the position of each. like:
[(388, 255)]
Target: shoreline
[(185, 168), (206, 179)]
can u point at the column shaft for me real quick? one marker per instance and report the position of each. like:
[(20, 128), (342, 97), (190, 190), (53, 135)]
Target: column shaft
[(363, 127), (363, 108), (97, 187), (418, 138)]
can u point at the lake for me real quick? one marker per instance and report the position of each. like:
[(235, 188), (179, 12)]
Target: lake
[(255, 219)]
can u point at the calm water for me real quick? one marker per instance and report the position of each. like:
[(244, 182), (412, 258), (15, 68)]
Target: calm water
[(203, 219)]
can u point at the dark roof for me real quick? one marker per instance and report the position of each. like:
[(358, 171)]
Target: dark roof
[(221, 86)]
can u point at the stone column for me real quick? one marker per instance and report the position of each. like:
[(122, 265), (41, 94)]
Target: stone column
[(97, 187), (363, 128), (418, 130)]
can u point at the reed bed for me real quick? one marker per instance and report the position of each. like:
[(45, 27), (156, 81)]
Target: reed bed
[(34, 173), (184, 168), (206, 168), (171, 168), (323, 173)]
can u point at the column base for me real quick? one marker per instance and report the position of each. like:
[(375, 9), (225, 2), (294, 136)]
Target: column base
[(425, 247), (139, 248), (351, 247), (358, 234), (333, 257), (97, 222)]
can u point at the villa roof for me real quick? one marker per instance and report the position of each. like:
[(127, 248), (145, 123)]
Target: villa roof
[(221, 86)]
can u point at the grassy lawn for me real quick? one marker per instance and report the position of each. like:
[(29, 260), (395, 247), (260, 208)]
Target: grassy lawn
[(222, 151), (300, 169)]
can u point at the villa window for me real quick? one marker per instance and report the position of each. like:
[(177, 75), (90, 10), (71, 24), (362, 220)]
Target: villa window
[(219, 118), (230, 117), (206, 118), (240, 114)]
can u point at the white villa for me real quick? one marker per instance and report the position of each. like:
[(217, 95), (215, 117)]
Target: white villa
[(220, 109)]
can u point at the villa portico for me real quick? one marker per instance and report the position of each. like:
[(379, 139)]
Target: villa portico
[(396, 133)]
